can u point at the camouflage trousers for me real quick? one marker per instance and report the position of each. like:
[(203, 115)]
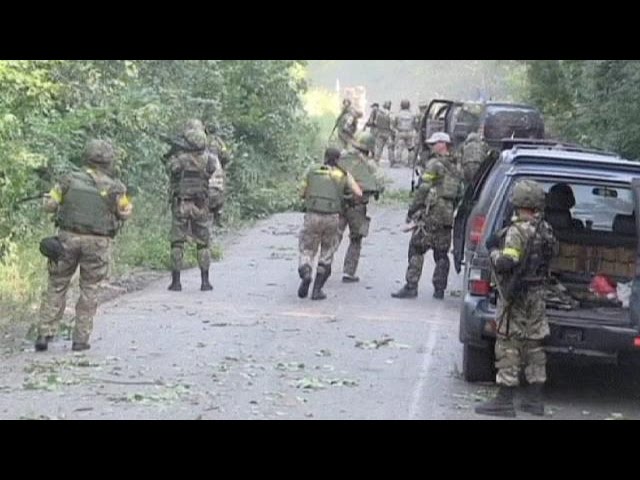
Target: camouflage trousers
[(91, 253), (404, 142), (384, 139), (424, 239), (320, 231), (216, 204), (355, 217), (521, 329), (191, 219)]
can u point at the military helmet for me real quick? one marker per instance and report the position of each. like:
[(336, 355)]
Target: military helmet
[(375, 105), (423, 105), (528, 194), (100, 153), (405, 104), (195, 134), (438, 137), (387, 105), (365, 142)]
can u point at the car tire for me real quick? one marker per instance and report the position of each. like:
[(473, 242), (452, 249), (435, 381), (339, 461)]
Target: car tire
[(478, 364)]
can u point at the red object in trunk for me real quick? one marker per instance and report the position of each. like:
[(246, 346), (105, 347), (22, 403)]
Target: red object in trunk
[(604, 286)]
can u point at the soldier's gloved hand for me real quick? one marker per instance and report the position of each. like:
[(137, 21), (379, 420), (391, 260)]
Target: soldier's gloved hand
[(492, 242), (504, 264)]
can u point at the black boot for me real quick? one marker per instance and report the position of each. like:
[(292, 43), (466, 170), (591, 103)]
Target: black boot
[(175, 286), (532, 402), (80, 346), (321, 278), (205, 286), (42, 343), (438, 294), (305, 274), (406, 292), (500, 406)]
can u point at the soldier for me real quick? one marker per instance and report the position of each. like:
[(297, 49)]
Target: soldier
[(347, 124), (324, 191), (90, 207), (432, 215), (403, 133), (190, 170), (519, 268), (217, 182), (383, 133), (356, 161), (371, 122), (474, 152)]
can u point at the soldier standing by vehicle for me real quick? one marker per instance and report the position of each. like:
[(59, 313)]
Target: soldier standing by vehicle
[(432, 215), (403, 126), (190, 170), (324, 191), (474, 151), (520, 268), (356, 161), (90, 207)]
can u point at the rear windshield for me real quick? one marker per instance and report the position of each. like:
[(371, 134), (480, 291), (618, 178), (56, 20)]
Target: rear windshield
[(588, 206)]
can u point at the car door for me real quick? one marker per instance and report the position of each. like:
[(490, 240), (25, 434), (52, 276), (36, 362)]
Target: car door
[(469, 200), (634, 306)]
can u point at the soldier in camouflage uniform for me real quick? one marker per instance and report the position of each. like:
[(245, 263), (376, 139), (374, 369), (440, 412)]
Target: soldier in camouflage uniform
[(217, 182), (432, 216), (528, 245), (403, 127), (347, 124), (324, 191), (190, 170), (473, 153), (356, 161), (383, 133), (89, 207)]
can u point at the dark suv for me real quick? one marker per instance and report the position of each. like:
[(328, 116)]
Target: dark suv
[(496, 120), (592, 200)]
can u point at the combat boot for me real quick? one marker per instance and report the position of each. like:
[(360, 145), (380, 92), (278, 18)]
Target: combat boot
[(305, 274), (80, 346), (205, 285), (500, 406), (532, 400), (175, 286), (346, 278), (406, 292), (438, 294), (42, 343), (321, 278)]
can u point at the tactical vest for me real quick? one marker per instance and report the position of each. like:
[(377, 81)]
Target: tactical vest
[(539, 256), (191, 179), (360, 171), (448, 187), (473, 153), (324, 193), (383, 120), (86, 208), (404, 121)]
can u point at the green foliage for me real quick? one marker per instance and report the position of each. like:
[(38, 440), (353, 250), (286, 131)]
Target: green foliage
[(594, 102), (49, 109)]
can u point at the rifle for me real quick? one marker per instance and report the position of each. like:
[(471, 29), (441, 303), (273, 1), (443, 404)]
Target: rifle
[(338, 120), (31, 198), (507, 293)]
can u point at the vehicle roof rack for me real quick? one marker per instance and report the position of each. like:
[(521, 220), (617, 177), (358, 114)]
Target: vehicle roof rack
[(540, 144)]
